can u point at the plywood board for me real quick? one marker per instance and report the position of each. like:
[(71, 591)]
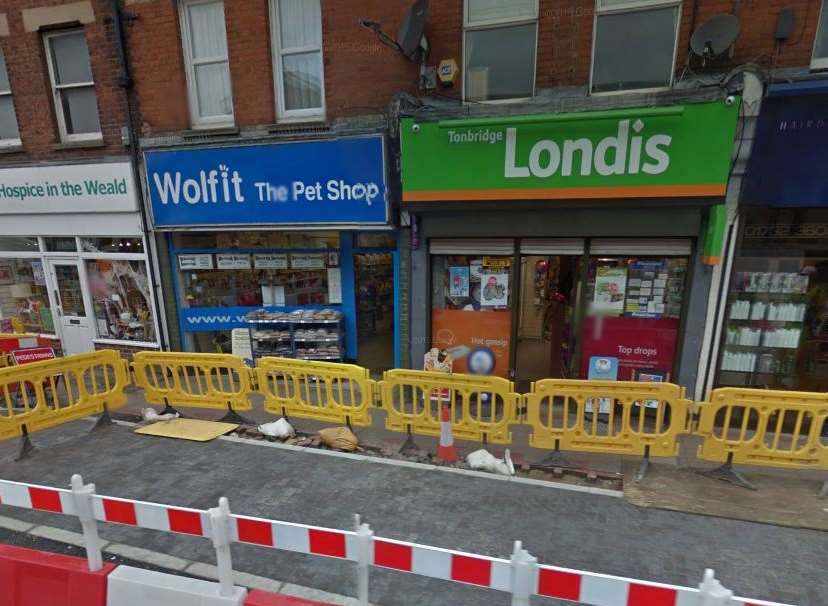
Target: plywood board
[(188, 429)]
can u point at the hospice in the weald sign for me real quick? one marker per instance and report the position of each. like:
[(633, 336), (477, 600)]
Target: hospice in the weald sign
[(326, 181)]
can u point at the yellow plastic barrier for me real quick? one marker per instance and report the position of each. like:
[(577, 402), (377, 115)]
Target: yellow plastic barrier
[(193, 379), (480, 407), (48, 393), (764, 427), (562, 415), (326, 391)]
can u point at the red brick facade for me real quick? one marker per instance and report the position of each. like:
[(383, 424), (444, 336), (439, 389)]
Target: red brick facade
[(31, 88), (361, 74)]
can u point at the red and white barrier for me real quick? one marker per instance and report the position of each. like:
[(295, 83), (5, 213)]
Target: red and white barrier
[(521, 575)]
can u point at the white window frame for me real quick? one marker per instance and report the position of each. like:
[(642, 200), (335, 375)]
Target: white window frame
[(820, 62), (196, 120), (56, 88), (494, 24), (8, 93), (296, 115), (629, 7)]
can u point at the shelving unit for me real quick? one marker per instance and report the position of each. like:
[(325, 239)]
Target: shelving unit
[(297, 337), (760, 348)]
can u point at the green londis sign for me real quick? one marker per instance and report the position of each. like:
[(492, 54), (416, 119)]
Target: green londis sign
[(675, 151)]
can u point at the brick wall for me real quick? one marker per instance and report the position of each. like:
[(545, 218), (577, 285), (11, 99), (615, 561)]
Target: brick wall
[(361, 75), (29, 78)]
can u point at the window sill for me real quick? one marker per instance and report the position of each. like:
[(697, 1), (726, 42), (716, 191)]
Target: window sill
[(90, 144), (127, 343), (11, 149), (210, 131)]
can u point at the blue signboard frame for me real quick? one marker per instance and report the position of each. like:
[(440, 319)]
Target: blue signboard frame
[(318, 182)]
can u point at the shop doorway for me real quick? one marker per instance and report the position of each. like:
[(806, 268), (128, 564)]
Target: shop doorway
[(546, 313), (374, 280), (74, 320)]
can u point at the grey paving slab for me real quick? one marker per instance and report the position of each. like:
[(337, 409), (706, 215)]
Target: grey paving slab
[(578, 530)]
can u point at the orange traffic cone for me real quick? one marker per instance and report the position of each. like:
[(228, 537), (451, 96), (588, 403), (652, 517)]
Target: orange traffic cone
[(446, 452)]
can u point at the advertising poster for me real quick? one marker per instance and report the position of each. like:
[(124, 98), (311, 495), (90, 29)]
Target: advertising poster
[(270, 261), (476, 341), (195, 261), (307, 261), (602, 368), (240, 343), (459, 281), (646, 289), (494, 290), (37, 273), (610, 288), (642, 346)]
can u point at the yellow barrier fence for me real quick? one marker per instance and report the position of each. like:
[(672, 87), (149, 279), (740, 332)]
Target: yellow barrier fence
[(48, 393), (326, 391), (480, 407), (763, 427), (562, 414), (199, 380)]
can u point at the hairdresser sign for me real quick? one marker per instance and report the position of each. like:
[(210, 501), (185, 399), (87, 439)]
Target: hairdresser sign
[(335, 182)]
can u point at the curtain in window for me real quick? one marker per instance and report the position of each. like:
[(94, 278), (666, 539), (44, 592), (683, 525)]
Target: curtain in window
[(208, 43), (300, 25), (489, 10)]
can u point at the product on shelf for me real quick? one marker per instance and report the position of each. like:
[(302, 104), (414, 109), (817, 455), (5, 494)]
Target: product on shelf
[(311, 334)]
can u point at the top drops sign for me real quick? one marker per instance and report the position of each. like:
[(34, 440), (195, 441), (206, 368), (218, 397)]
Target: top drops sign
[(339, 181)]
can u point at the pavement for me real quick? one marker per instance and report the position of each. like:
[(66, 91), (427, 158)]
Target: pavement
[(478, 514)]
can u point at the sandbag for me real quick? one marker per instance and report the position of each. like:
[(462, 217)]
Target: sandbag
[(484, 460), (340, 438)]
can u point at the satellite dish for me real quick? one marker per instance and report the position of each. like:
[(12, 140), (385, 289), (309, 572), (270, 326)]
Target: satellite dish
[(410, 36), (715, 36)]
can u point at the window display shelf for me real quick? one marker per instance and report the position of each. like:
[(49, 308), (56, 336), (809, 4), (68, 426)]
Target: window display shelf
[(268, 334)]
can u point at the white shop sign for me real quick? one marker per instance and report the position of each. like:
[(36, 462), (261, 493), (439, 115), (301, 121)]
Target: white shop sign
[(73, 188), (195, 261), (309, 261), (271, 261), (232, 261)]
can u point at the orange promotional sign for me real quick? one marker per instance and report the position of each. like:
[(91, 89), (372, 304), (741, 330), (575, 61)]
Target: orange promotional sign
[(476, 341)]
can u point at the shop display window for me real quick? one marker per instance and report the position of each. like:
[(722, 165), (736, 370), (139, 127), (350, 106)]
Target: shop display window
[(121, 297), (471, 313), (258, 239), (776, 321), (112, 245), (634, 307), (24, 295), (61, 244)]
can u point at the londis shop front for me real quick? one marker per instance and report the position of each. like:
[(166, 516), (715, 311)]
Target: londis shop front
[(567, 245)]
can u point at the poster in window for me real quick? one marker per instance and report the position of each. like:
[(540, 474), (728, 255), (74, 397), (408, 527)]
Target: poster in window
[(37, 273), (6, 274), (459, 281), (307, 261), (270, 261), (495, 290), (610, 288)]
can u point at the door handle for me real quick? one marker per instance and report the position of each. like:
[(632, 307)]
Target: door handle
[(57, 300)]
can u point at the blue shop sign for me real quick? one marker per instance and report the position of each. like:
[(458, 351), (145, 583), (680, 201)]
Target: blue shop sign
[(337, 181), (789, 156)]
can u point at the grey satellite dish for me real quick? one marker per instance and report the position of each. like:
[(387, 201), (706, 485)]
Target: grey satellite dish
[(410, 36), (715, 36)]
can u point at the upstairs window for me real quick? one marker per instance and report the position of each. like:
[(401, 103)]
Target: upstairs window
[(296, 34), (634, 44), (499, 47), (206, 63), (9, 135), (820, 57), (73, 87)]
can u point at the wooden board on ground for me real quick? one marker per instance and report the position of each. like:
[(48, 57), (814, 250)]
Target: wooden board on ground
[(188, 429)]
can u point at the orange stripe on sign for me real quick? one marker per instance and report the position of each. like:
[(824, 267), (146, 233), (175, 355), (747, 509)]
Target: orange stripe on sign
[(564, 193)]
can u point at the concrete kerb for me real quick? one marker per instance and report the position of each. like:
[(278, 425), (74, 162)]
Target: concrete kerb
[(607, 492), (188, 567)]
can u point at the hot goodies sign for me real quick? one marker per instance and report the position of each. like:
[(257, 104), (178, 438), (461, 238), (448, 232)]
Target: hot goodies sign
[(323, 182)]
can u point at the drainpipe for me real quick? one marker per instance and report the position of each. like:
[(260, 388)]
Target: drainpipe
[(125, 82)]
